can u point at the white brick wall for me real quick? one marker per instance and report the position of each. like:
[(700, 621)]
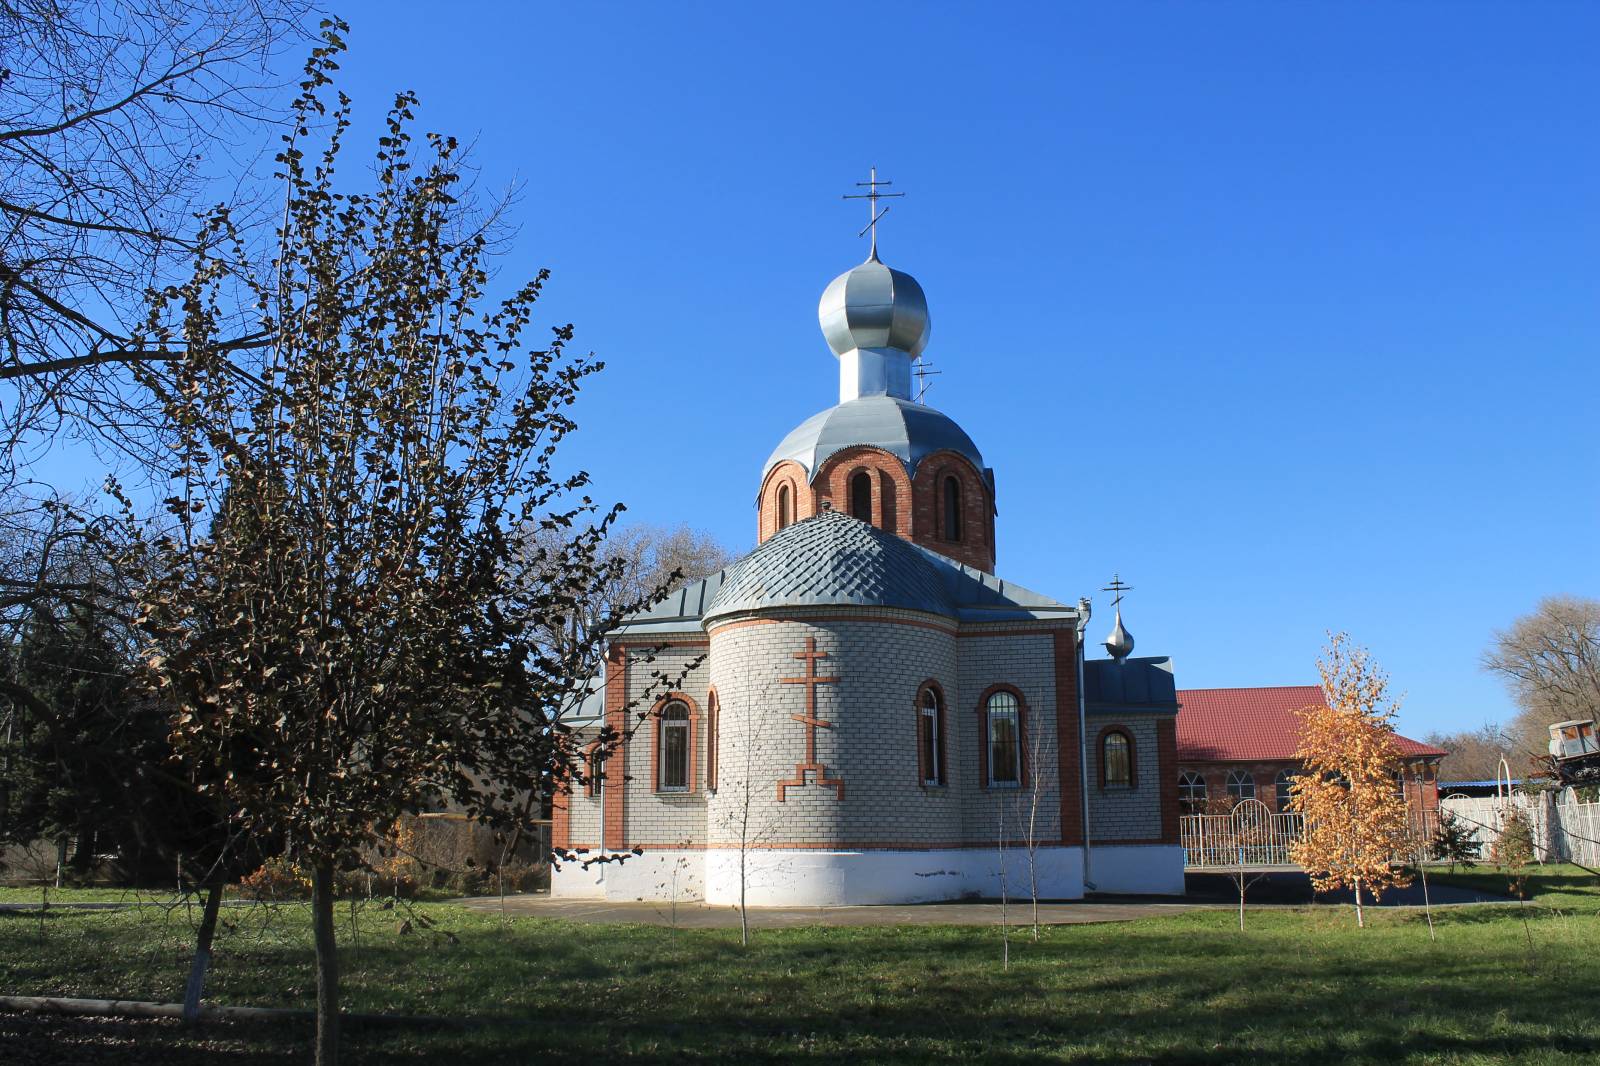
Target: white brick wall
[(1123, 813)]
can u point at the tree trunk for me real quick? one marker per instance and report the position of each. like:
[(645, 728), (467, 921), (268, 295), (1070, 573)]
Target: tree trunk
[(202, 956), (1427, 904), (327, 964), (1361, 921), (744, 909)]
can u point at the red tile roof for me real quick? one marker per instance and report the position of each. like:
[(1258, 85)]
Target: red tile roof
[(1252, 724)]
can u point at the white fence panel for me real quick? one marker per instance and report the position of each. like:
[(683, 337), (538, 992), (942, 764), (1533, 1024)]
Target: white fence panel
[(1561, 831)]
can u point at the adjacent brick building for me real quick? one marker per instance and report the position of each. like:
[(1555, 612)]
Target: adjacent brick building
[(1238, 743), (866, 710)]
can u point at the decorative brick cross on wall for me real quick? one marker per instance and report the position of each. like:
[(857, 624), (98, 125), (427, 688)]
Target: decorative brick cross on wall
[(812, 724)]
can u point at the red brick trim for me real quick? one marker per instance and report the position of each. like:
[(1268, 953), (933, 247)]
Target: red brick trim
[(560, 821), (1069, 747), (1023, 773), (655, 742), (613, 822), (941, 725), (1167, 768), (892, 500), (1133, 754), (812, 722), (802, 502), (975, 545)]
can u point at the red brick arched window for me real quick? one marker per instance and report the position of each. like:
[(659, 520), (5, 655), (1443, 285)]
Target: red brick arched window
[(672, 747), (785, 507), (951, 526), (1117, 754), (1003, 733), (861, 496), (712, 722), (931, 765)]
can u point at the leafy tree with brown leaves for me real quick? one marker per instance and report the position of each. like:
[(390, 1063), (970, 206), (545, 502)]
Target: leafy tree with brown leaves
[(1355, 817), (353, 636)]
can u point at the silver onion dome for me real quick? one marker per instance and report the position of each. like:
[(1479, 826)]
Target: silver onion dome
[(876, 321), (874, 306), (1119, 644)]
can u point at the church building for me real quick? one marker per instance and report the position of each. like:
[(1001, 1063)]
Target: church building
[(873, 715)]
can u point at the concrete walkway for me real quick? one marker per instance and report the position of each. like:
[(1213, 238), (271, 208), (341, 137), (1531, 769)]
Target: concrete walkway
[(701, 916)]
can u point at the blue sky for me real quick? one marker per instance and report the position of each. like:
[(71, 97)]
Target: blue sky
[(1287, 312)]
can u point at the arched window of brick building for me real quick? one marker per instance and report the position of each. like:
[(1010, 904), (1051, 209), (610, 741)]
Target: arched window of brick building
[(930, 736), (1116, 760), (1192, 792), (672, 775), (1005, 741), (1241, 786), (1281, 787), (712, 716), (861, 495), (952, 508), (785, 507)]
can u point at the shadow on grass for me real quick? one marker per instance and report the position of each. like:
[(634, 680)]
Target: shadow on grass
[(1299, 985)]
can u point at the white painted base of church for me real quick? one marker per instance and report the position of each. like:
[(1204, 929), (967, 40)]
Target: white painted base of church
[(785, 878), (1137, 870), (655, 875), (863, 878)]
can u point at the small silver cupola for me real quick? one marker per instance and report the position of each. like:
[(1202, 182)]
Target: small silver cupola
[(875, 319), (1119, 644)]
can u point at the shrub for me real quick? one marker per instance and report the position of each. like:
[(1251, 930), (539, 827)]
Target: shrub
[(520, 877), (278, 878), (1514, 846)]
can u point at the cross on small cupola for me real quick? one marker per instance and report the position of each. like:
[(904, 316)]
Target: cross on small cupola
[(872, 196), (1119, 644)]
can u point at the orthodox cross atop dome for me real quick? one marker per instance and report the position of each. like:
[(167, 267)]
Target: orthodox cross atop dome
[(872, 196), (1119, 644)]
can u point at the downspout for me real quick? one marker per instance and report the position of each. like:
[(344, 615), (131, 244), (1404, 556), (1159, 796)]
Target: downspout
[(1084, 610)]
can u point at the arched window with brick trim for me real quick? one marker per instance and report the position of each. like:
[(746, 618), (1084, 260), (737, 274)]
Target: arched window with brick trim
[(861, 496), (1116, 759), (930, 736), (713, 721), (1241, 786), (1003, 739), (785, 507), (952, 507), (672, 747)]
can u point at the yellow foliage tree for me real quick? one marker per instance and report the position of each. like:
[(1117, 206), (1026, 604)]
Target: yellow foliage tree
[(1355, 818)]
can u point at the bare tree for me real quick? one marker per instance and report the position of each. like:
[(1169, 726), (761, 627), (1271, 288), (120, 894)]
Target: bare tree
[(640, 561), (1041, 780), (1550, 660), (120, 121), (1475, 754), (743, 785)]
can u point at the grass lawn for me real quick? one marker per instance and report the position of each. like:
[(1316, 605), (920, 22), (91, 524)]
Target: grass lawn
[(1302, 985)]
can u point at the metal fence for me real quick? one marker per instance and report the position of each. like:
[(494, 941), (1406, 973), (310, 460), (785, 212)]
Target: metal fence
[(1252, 834), (1563, 831)]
